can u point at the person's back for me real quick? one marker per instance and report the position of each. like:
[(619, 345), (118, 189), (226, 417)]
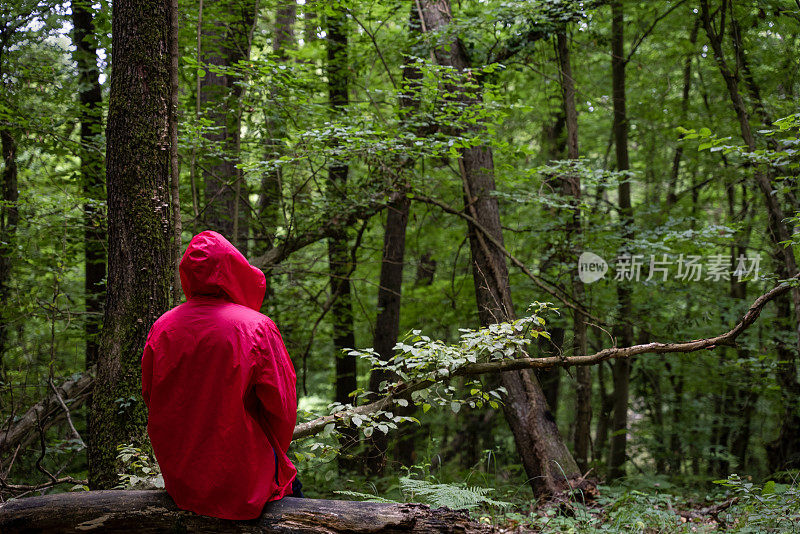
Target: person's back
[(220, 389)]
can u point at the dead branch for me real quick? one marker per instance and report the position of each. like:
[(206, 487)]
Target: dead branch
[(49, 411)]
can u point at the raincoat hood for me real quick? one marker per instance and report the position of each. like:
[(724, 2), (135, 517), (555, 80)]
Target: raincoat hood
[(211, 266)]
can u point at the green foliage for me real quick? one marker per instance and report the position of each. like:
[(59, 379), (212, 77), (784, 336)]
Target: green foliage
[(771, 507), (455, 496), (137, 470)]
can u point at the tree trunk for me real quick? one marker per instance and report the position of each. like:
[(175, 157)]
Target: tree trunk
[(91, 171), (270, 197), (687, 84), (624, 332), (175, 175), (604, 415), (550, 379), (139, 226), (154, 511), (387, 324), (226, 40), (9, 218), (338, 249), (547, 462), (571, 188)]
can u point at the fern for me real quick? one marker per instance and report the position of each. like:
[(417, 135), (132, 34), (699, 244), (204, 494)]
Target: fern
[(364, 496), (455, 496)]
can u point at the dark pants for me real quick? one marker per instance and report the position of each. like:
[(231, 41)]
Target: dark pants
[(297, 488)]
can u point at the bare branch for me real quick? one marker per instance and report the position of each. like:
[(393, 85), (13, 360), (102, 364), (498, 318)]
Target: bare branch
[(66, 412)]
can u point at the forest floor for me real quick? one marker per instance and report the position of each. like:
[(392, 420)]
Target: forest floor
[(737, 506), (639, 505)]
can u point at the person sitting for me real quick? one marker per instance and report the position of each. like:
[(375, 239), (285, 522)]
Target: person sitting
[(220, 389)]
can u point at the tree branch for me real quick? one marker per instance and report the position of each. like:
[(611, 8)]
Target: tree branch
[(404, 390)]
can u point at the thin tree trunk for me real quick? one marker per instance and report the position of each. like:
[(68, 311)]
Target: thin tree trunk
[(9, 219), (547, 462), (197, 108), (91, 171), (687, 84), (226, 40), (624, 332), (571, 188), (604, 415), (553, 146), (173, 155), (550, 379), (270, 197), (139, 227), (338, 249), (387, 324)]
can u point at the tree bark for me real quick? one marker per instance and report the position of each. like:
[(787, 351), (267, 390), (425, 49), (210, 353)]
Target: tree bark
[(139, 225), (624, 332), (154, 511), (226, 40), (547, 462), (91, 172), (687, 84), (387, 323)]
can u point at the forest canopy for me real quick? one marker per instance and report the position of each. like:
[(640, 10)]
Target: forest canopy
[(517, 249)]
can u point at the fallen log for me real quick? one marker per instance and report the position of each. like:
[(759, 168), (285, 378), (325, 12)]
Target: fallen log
[(154, 511)]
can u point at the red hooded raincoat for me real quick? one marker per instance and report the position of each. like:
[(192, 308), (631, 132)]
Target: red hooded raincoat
[(220, 388)]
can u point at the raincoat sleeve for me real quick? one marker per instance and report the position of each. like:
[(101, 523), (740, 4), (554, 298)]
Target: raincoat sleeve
[(274, 386)]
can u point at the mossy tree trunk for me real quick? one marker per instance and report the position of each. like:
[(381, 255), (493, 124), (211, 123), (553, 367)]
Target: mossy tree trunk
[(139, 226)]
